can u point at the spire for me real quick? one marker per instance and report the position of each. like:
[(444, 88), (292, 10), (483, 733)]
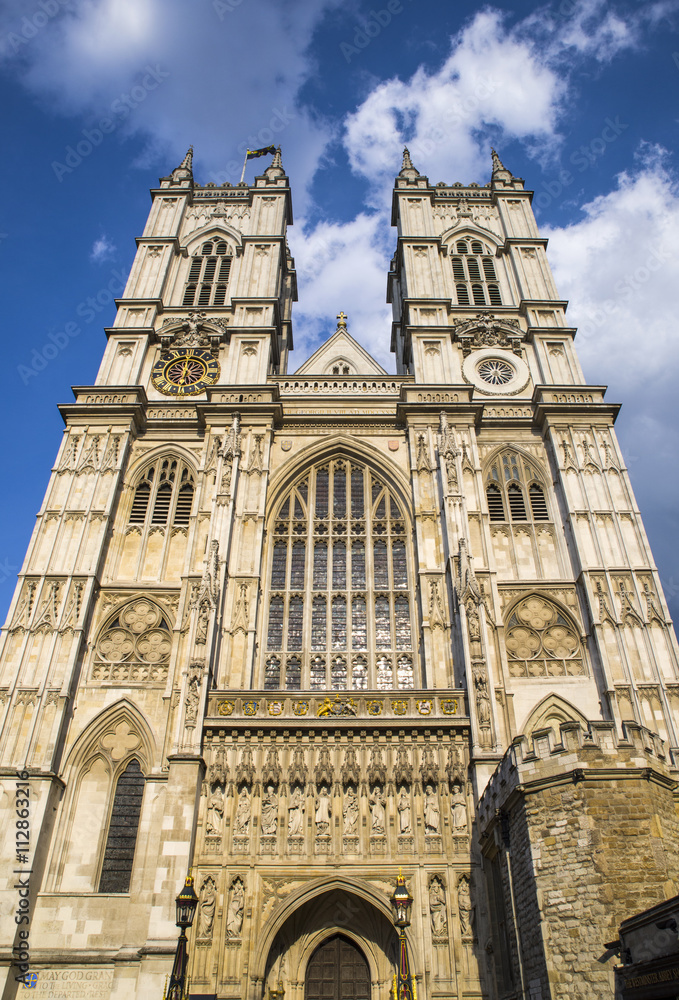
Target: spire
[(184, 172), (407, 168), (275, 168)]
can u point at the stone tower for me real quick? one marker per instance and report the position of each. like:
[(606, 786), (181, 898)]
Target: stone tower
[(295, 631)]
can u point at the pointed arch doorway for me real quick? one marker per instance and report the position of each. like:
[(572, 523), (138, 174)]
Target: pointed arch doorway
[(337, 970)]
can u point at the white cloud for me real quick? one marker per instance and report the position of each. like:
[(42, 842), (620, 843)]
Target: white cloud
[(343, 267), (102, 249), (491, 78), (209, 86), (620, 266)]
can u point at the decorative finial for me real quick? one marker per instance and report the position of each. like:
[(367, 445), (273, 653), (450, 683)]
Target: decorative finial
[(500, 172), (342, 317), (275, 168), (184, 172), (407, 168)]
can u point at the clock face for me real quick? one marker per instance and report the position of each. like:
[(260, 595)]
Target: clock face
[(185, 371)]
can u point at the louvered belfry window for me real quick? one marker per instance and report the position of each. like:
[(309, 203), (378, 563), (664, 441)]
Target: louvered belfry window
[(116, 869), (340, 606), (164, 495), (512, 492), (208, 275), (476, 281)]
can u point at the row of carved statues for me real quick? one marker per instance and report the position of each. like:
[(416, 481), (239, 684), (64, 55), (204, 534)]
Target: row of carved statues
[(438, 907), (322, 809)]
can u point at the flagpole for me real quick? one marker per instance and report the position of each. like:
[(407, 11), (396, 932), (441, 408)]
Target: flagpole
[(245, 163)]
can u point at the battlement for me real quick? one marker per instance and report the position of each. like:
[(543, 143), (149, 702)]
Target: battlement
[(576, 754)]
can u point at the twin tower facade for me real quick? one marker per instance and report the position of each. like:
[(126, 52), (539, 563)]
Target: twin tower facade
[(295, 631)]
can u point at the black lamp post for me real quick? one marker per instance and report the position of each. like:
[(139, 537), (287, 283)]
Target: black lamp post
[(186, 903), (402, 901)]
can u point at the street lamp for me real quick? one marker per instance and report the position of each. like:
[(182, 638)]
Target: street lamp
[(186, 903), (404, 988)]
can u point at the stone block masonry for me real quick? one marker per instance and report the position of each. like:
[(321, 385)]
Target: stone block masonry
[(582, 829)]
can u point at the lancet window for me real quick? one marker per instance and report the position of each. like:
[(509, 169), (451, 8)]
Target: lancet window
[(476, 281), (341, 613), (208, 275), (512, 492), (116, 869), (164, 495)]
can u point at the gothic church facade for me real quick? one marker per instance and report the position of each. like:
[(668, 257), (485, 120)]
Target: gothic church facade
[(295, 631)]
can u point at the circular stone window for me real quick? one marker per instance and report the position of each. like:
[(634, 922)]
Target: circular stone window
[(495, 372)]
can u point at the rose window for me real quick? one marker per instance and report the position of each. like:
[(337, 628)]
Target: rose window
[(495, 372), (541, 642), (134, 646)]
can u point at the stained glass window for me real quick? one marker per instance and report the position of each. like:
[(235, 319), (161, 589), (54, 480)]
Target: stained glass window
[(347, 621)]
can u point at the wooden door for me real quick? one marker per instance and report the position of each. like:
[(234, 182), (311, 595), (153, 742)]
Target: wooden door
[(337, 971)]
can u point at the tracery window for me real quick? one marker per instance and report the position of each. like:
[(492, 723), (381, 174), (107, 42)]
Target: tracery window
[(164, 495), (512, 492), (116, 869), (476, 281), (340, 606), (541, 641), (134, 646), (208, 275)]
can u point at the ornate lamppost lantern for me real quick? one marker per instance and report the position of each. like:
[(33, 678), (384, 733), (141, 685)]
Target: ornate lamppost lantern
[(186, 903), (404, 987)]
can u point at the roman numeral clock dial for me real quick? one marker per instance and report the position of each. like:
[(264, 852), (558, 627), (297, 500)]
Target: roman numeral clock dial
[(185, 371)]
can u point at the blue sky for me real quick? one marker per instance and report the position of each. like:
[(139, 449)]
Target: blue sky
[(579, 97)]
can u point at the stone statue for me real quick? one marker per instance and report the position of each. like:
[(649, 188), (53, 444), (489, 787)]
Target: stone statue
[(208, 903), (404, 812), (234, 913), (215, 812), (323, 812), (377, 811), (464, 904), (350, 812), (437, 908), (242, 821), (432, 817), (482, 699), (458, 805), (295, 812), (270, 812)]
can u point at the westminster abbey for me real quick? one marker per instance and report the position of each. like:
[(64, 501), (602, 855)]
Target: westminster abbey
[(295, 631)]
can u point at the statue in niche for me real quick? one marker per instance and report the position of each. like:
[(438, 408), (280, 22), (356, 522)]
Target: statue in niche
[(377, 803), (241, 823), (323, 812), (404, 812), (432, 816), (437, 908), (208, 904), (464, 904), (482, 699), (192, 699), (234, 913), (350, 812), (270, 812), (215, 812), (458, 806), (296, 812)]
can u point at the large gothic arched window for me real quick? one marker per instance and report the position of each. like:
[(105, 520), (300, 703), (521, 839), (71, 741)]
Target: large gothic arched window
[(340, 606)]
